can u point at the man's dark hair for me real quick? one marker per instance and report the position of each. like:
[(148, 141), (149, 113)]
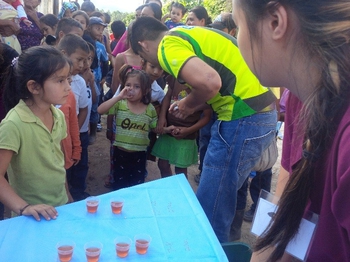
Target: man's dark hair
[(71, 43), (145, 28), (88, 7), (65, 25), (107, 18)]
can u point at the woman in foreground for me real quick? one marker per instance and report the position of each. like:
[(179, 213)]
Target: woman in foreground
[(304, 46)]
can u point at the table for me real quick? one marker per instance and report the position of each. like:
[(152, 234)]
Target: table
[(166, 209)]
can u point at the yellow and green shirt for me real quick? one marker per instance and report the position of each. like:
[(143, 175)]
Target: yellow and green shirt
[(241, 93)]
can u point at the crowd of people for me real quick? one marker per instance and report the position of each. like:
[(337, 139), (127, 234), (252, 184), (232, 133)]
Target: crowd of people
[(182, 85)]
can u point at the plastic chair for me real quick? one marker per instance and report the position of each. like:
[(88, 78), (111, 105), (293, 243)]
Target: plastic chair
[(237, 251)]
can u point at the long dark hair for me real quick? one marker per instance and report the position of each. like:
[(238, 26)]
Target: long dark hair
[(201, 13), (324, 32), (157, 10), (36, 63), (127, 71)]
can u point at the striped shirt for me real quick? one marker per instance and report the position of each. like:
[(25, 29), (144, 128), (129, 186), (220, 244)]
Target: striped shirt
[(241, 93), (132, 129)]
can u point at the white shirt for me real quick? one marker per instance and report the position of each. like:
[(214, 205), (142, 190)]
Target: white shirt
[(81, 93)]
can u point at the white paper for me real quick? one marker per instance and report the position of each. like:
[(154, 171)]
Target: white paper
[(299, 245)]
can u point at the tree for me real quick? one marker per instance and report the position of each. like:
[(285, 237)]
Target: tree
[(117, 15)]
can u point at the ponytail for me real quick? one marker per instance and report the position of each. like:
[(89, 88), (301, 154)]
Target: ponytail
[(11, 94)]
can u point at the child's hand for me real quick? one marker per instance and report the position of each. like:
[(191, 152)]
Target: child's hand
[(124, 94), (27, 22), (165, 17), (160, 125), (48, 212), (75, 161), (168, 129), (180, 132)]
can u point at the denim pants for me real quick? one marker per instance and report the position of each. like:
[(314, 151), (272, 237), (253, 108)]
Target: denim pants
[(2, 210), (261, 181), (204, 138), (76, 175), (234, 148)]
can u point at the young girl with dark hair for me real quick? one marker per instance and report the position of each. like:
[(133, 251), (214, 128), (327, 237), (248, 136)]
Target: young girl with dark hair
[(31, 134), (48, 24), (135, 117), (177, 12), (304, 46)]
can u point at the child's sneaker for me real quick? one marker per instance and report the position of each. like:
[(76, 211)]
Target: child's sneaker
[(99, 128)]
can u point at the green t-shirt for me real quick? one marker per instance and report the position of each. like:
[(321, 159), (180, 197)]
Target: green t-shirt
[(132, 129), (241, 93), (36, 171)]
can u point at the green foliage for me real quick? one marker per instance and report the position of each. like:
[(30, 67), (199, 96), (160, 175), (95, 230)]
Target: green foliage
[(215, 7), (117, 15)]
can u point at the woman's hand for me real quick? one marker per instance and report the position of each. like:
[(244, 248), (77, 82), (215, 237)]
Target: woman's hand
[(48, 212)]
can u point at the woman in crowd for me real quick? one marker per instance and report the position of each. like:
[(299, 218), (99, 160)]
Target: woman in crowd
[(31, 35)]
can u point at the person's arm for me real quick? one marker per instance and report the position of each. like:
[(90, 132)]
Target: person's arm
[(109, 131), (162, 123), (83, 112), (182, 132), (74, 133), (205, 83), (105, 106), (70, 198), (32, 13), (8, 28), (118, 63), (92, 86), (14, 202), (21, 12), (108, 44), (261, 256)]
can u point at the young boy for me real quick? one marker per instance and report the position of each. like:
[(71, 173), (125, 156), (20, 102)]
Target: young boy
[(118, 29), (95, 29), (68, 26), (77, 50)]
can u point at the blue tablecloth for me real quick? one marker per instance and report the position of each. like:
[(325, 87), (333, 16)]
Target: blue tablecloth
[(166, 209)]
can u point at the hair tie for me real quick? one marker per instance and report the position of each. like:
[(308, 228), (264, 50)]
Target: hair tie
[(14, 62), (312, 157)]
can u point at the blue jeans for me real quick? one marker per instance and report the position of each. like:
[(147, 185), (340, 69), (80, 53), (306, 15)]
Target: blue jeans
[(234, 148), (76, 175), (261, 181), (2, 210), (204, 138), (94, 116)]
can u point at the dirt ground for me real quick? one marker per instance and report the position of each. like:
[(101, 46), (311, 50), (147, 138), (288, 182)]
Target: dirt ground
[(99, 168)]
